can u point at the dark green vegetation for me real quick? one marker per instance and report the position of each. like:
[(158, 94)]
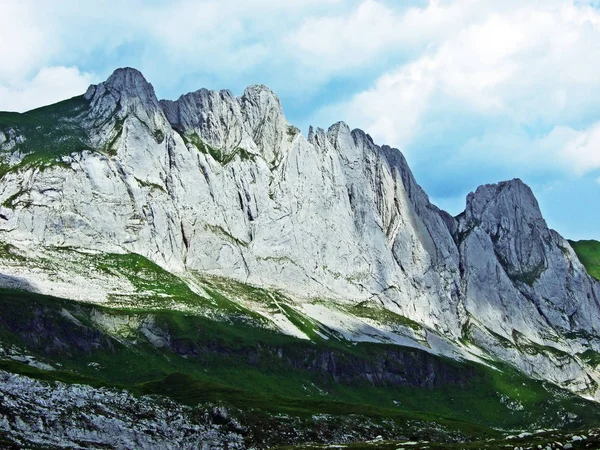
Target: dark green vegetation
[(50, 132), (541, 440), (383, 315), (403, 393), (217, 154), (588, 253)]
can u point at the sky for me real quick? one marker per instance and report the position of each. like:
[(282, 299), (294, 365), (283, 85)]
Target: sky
[(471, 91)]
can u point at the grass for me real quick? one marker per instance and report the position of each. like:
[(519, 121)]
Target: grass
[(588, 253), (254, 368), (218, 154), (238, 360), (292, 131), (144, 274), (9, 252), (150, 185), (45, 115), (591, 357), (50, 132), (54, 131), (11, 201), (110, 146), (531, 276), (541, 440), (382, 315)]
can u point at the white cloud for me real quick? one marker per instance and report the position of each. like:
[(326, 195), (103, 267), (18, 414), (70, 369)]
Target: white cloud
[(337, 43), (26, 41), (565, 150), (50, 85), (391, 110), (511, 61), (214, 41), (582, 152), (531, 66), (344, 41)]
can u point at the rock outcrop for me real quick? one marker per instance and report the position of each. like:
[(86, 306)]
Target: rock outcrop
[(58, 415)]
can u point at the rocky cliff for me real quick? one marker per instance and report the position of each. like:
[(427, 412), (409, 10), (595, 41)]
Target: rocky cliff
[(217, 185)]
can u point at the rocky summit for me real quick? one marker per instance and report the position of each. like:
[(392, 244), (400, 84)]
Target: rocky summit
[(214, 206)]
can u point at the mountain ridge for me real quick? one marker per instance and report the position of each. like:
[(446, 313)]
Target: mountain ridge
[(223, 186)]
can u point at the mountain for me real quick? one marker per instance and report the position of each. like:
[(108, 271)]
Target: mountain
[(214, 207)]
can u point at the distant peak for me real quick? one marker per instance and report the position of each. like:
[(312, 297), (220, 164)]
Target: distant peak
[(126, 73), (258, 101), (311, 135), (125, 82), (339, 134), (338, 127), (129, 81), (125, 91), (261, 98), (259, 89), (516, 186), (514, 183), (504, 198)]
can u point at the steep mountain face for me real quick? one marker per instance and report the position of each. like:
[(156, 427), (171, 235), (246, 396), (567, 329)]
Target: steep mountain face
[(523, 282), (217, 185)]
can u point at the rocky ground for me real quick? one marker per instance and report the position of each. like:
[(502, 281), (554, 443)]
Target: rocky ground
[(58, 415), (41, 415)]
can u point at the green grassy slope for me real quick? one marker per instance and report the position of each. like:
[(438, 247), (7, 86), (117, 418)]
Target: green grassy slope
[(50, 132), (254, 369), (589, 255)]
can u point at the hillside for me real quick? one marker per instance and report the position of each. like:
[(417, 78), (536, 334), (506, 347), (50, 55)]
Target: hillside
[(588, 253)]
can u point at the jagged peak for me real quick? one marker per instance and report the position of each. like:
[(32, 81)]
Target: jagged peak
[(252, 92), (126, 77), (363, 137), (188, 110), (203, 93), (514, 187), (340, 136), (311, 135), (260, 90), (258, 108), (318, 136), (337, 129), (125, 93), (515, 183), (506, 198), (258, 102), (124, 82), (395, 157)]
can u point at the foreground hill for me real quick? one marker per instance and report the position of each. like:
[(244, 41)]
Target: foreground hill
[(78, 375)]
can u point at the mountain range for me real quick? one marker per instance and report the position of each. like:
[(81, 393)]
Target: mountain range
[(204, 251)]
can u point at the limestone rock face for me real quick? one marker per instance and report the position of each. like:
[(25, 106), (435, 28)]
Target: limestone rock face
[(506, 241), (223, 185), (252, 123)]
